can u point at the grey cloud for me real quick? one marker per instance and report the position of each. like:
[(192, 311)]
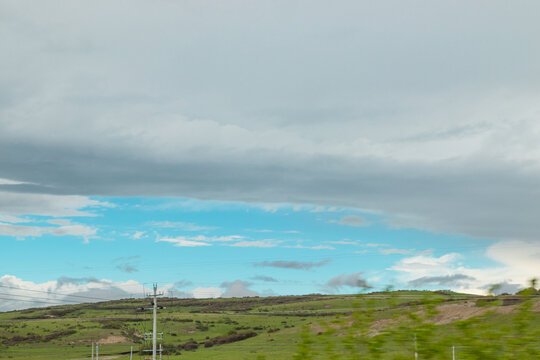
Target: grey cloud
[(480, 198), (504, 287), (447, 280), (237, 289), (127, 263), (182, 283), (264, 278), (176, 290), (298, 265), (350, 280), (377, 109), (127, 267)]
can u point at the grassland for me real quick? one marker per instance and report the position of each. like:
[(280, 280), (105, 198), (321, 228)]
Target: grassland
[(378, 325)]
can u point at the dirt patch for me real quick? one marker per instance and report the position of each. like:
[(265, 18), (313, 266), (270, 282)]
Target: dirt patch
[(379, 325), (449, 313), (114, 339), (463, 311)]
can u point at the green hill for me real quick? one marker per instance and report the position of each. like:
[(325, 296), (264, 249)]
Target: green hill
[(377, 325)]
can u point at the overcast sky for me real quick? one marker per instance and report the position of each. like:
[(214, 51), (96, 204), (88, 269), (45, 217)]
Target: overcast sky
[(417, 116)]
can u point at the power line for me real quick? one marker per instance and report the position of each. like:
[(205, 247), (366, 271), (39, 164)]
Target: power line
[(39, 298), (55, 293), (33, 301)]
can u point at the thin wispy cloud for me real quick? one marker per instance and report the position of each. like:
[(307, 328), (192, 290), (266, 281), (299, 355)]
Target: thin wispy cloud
[(352, 220), (315, 247), (297, 265), (201, 240), (446, 280), (127, 264), (264, 278), (395, 251), (183, 242), (22, 231), (343, 242), (269, 243), (180, 225)]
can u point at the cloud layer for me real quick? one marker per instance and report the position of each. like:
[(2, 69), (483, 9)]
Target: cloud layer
[(362, 104)]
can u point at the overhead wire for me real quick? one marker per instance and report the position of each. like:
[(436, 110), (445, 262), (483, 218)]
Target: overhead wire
[(54, 293)]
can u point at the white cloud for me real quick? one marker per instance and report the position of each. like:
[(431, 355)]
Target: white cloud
[(226, 238), (180, 225), (200, 240), (520, 256), (22, 294), (316, 247), (12, 219), (267, 243), (38, 231), (395, 251), (138, 234), (238, 289), (518, 264), (11, 182), (343, 242), (47, 205), (206, 292), (182, 242), (425, 265)]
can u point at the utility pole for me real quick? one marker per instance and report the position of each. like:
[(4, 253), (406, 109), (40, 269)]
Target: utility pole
[(453, 352), (92, 351), (154, 327), (415, 349), (97, 351)]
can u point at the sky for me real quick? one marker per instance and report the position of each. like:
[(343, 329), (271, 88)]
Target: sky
[(266, 148)]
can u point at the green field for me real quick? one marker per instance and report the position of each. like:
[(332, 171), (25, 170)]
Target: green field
[(378, 325)]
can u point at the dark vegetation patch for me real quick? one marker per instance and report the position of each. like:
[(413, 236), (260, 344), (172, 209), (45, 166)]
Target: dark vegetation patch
[(226, 339), (34, 338), (117, 323)]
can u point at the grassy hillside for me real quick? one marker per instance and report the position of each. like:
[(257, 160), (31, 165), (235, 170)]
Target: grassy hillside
[(378, 325)]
